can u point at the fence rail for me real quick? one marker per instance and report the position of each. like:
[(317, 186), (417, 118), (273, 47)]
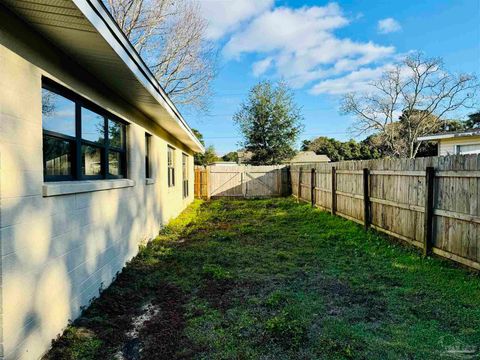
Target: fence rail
[(432, 203)]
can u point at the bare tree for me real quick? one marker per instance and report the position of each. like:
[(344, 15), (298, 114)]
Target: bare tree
[(170, 36), (410, 100)]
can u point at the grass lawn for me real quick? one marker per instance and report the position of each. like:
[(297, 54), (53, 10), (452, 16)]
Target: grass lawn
[(273, 279)]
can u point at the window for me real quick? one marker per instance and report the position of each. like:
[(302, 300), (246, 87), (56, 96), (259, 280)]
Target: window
[(80, 140), (171, 166), (468, 149), (185, 174), (148, 166)]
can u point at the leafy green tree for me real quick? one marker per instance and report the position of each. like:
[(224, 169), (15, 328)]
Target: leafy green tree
[(473, 121), (207, 158), (305, 145), (199, 136), (210, 155), (326, 146), (198, 158), (270, 122), (452, 125), (338, 150), (373, 147), (231, 156)]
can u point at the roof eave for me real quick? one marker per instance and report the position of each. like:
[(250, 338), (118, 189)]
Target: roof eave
[(433, 137), (97, 14)]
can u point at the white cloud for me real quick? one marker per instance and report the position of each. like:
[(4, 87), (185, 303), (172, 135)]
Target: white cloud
[(388, 25), (358, 80), (361, 79), (285, 27), (260, 67), (300, 45), (225, 16)]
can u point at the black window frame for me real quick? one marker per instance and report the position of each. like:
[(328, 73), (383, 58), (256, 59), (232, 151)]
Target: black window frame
[(148, 160), (171, 167), (185, 174), (76, 141)]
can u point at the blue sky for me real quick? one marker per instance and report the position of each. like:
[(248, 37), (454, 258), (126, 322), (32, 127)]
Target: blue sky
[(324, 49)]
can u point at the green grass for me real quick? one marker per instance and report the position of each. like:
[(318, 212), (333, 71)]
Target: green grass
[(273, 279)]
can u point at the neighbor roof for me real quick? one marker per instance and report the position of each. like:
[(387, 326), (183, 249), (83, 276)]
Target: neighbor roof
[(85, 31), (449, 135), (309, 157)]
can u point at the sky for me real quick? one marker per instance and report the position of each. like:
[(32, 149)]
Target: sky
[(323, 50)]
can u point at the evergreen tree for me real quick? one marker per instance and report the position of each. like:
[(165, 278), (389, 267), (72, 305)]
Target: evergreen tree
[(270, 122)]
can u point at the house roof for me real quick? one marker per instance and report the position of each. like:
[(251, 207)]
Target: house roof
[(244, 155), (87, 33), (449, 135), (309, 157)]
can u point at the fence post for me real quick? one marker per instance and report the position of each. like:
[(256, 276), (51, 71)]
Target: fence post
[(428, 227), (299, 193), (366, 198), (312, 187), (288, 187), (208, 181), (334, 187), (243, 185)]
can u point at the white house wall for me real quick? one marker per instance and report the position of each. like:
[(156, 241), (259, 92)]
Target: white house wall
[(448, 146), (57, 252)]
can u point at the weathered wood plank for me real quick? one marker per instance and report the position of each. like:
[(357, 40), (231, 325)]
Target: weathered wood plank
[(397, 173), (458, 174), (397, 205)]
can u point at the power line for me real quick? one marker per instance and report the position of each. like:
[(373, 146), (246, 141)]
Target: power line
[(303, 134), (231, 115)]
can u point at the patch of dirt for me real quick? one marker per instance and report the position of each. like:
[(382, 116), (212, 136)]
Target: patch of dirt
[(155, 331), (133, 346), (340, 296), (161, 331), (221, 293), (217, 292)]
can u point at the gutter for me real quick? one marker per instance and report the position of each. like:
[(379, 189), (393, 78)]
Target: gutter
[(448, 136), (100, 18)]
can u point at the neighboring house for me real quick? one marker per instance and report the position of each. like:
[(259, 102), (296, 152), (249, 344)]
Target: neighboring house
[(307, 157), (244, 156), (224, 163), (94, 159), (459, 143)]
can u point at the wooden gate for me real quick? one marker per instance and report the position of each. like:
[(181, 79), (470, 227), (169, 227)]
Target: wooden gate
[(242, 181), (201, 182)]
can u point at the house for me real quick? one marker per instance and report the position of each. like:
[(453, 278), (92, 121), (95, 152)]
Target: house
[(244, 156), (451, 143), (94, 160), (308, 157), (224, 163)]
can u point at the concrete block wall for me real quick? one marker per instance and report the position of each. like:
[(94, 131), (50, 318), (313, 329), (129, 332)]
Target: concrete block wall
[(57, 252)]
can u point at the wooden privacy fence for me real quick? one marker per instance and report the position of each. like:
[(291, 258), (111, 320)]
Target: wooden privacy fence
[(241, 181), (432, 203)]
